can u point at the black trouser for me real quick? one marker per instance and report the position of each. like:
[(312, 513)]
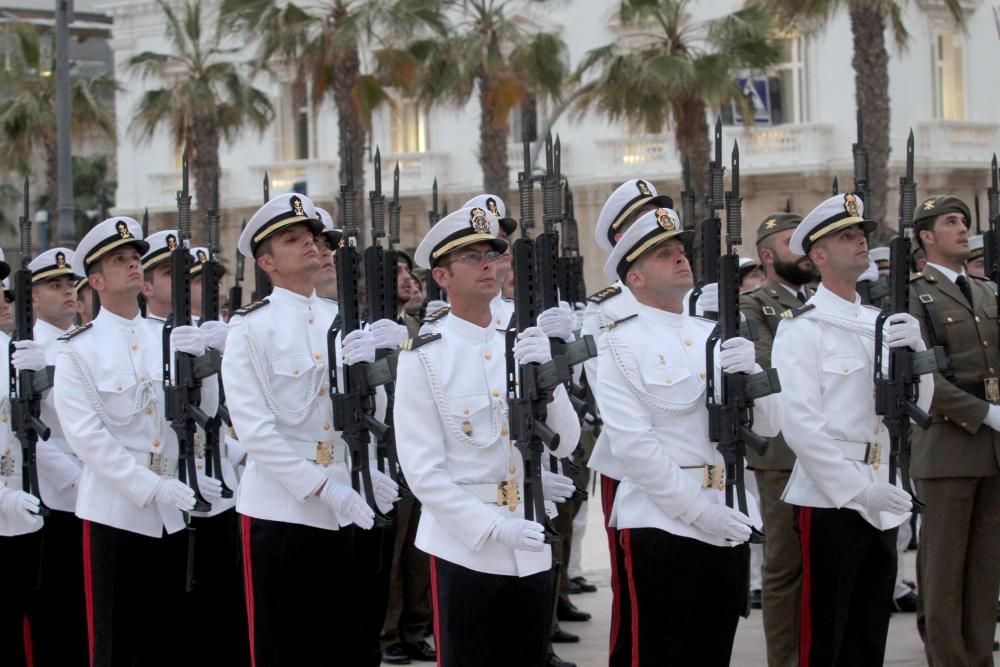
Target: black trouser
[(409, 618), (848, 577), (216, 609), (302, 601), (686, 597), (620, 639), (489, 620), (373, 566), (135, 597), (59, 615), (19, 556)]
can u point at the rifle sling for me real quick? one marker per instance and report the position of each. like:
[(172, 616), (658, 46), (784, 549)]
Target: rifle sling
[(935, 325)]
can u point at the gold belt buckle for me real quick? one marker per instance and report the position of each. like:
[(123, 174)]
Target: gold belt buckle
[(199, 445), (7, 466), (992, 390), (507, 494), (715, 478), (324, 453), (158, 464), (873, 456)]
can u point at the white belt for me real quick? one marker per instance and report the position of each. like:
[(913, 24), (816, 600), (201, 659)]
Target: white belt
[(869, 453), (710, 476), (507, 493), (158, 463), (322, 452)]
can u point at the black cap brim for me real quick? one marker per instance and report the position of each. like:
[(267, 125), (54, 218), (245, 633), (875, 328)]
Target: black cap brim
[(508, 225)]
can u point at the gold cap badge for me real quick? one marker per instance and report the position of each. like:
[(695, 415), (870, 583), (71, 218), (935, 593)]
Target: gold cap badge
[(665, 220), (851, 205), (643, 188), (479, 222), (122, 227), (297, 206), (770, 224), (60, 260), (491, 204), (171, 242)]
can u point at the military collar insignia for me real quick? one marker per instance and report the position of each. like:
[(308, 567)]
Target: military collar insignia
[(249, 308), (76, 332), (851, 205), (479, 222), (422, 339), (604, 294), (665, 220)]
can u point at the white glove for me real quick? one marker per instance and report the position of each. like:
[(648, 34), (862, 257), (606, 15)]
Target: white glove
[(385, 489), (557, 323), (883, 497), (29, 355), (903, 330), (215, 333), (555, 487), (388, 334), (19, 504), (211, 488), (358, 346), (519, 534), (725, 522), (347, 504), (532, 347), (708, 300), (175, 493), (188, 339), (435, 305), (992, 418), (737, 356)]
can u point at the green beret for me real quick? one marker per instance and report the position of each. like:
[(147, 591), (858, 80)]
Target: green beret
[(405, 257), (777, 222), (931, 207)]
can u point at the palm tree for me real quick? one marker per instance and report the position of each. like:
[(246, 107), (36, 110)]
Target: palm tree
[(28, 112), (206, 96), (486, 50), (668, 71), (871, 72), (326, 44)]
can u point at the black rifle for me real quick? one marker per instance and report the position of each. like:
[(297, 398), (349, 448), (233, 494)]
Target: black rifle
[(26, 387), (730, 417), (897, 390), (145, 234), (182, 379), (688, 200), (262, 282), (570, 262), (236, 291), (354, 401), (862, 186), (381, 267), (711, 227), (991, 238), (211, 273), (979, 227), (434, 291)]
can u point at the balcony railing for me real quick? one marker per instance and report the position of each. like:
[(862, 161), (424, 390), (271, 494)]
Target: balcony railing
[(943, 142), (417, 171), (319, 176)]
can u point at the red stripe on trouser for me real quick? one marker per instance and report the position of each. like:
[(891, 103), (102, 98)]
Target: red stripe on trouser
[(29, 653), (88, 588), (437, 610), (805, 612), (248, 581), (627, 548), (607, 498)]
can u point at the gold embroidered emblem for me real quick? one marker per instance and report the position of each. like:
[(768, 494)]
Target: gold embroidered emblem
[(467, 428), (643, 188), (507, 494), (715, 478), (929, 204), (771, 224), (665, 220), (851, 205), (491, 204), (202, 257), (324, 453), (297, 206), (171, 242), (480, 224), (60, 260), (874, 455), (122, 227), (992, 387)]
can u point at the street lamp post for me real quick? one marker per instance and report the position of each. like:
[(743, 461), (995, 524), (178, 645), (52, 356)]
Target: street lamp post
[(64, 223)]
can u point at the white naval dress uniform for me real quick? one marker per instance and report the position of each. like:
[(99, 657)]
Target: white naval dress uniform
[(452, 392), (296, 549), (825, 359), (651, 393), (109, 398)]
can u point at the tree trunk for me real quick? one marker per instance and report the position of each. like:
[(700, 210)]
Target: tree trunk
[(51, 149), (350, 131), (493, 120), (203, 159), (871, 83), (694, 145)]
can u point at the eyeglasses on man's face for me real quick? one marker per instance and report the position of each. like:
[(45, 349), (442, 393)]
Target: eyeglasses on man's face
[(474, 257)]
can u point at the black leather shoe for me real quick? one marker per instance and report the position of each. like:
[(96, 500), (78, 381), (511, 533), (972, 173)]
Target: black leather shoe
[(553, 660), (755, 599), (573, 588), (585, 586), (906, 604), (421, 651), (395, 654), (560, 636), (567, 611)]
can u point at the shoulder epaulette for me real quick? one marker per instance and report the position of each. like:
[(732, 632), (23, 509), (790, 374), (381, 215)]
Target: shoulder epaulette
[(621, 321), (422, 339), (76, 332), (792, 313), (604, 294), (437, 314), (250, 307), (916, 276)]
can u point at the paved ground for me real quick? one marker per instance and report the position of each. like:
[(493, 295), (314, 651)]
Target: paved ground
[(905, 647)]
